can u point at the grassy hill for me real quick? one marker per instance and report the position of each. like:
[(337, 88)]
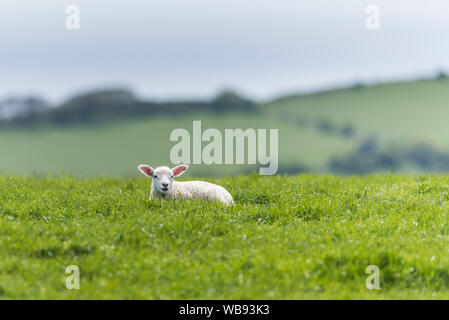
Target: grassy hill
[(295, 237), (403, 112), (320, 132), (116, 148)]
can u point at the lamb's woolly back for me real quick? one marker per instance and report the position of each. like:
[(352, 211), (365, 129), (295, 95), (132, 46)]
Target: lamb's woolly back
[(163, 186), (201, 190)]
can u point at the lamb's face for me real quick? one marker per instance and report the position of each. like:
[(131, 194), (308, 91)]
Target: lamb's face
[(163, 179), (163, 176)]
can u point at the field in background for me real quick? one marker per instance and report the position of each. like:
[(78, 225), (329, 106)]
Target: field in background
[(117, 148), (292, 237), (398, 112), (397, 127)]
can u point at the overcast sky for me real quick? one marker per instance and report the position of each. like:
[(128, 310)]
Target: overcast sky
[(192, 48)]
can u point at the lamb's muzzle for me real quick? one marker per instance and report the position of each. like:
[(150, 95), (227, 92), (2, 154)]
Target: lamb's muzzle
[(163, 186)]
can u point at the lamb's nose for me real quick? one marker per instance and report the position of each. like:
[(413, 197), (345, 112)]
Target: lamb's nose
[(165, 184)]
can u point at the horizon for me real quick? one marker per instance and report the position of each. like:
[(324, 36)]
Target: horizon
[(286, 94)]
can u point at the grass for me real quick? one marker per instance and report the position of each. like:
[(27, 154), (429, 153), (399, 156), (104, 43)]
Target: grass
[(403, 112), (292, 237), (117, 148), (397, 113)]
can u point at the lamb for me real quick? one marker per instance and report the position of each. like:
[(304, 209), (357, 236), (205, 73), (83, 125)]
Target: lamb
[(164, 187)]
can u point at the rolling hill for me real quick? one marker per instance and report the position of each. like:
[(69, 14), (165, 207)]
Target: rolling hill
[(403, 112), (320, 132)]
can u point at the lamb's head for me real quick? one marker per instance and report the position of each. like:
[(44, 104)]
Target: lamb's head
[(163, 176)]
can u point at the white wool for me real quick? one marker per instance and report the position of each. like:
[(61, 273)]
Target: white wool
[(164, 187), (195, 190)]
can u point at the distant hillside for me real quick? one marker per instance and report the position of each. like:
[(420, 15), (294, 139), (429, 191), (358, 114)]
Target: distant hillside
[(404, 111), (396, 127)]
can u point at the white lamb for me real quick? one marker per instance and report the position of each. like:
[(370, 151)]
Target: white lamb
[(163, 186)]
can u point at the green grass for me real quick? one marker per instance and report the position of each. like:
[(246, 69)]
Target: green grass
[(402, 112), (397, 113), (287, 238), (116, 149)]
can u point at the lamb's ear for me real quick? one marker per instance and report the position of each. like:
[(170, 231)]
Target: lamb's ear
[(178, 170), (146, 170)]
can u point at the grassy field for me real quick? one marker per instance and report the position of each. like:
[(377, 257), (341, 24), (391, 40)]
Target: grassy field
[(401, 112), (396, 113), (291, 237), (117, 148)]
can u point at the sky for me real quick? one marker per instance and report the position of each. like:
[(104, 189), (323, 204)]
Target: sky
[(176, 49)]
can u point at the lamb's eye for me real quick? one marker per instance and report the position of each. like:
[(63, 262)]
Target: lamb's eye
[(156, 177), (171, 177)]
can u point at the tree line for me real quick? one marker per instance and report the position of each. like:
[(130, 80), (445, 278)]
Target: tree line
[(111, 104)]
